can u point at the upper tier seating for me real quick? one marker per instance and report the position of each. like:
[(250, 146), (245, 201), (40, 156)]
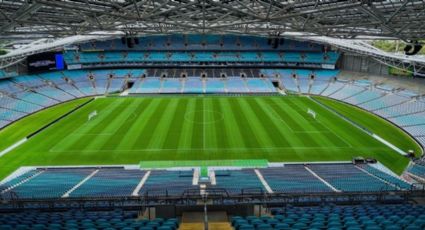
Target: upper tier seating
[(201, 42), (109, 57)]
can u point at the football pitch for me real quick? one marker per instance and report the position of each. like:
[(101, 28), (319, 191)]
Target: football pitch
[(128, 130)]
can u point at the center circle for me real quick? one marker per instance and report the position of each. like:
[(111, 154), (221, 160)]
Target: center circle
[(207, 116)]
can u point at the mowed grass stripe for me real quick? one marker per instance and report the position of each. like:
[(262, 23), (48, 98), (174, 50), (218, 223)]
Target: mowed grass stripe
[(267, 125), (234, 137), (82, 131), (147, 131), (122, 120), (219, 134), (185, 140), (249, 135), (341, 128), (176, 126), (322, 115), (300, 123), (131, 137), (163, 124), (231, 127), (324, 135), (99, 127), (212, 117), (198, 127), (257, 125), (280, 133), (281, 112), (133, 116)]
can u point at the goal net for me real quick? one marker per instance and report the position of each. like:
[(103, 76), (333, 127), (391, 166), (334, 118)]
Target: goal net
[(92, 115), (312, 113)]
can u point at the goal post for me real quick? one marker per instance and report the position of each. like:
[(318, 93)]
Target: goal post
[(312, 113), (92, 115)]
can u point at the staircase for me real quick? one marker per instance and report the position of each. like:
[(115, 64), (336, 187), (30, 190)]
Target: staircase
[(195, 221), (192, 221), (218, 221)]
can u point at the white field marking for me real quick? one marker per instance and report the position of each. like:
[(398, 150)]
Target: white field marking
[(342, 139), (84, 125), (319, 132), (213, 180), (264, 182), (22, 182), (321, 179), (203, 112), (141, 183), (331, 131), (195, 178), (380, 139), (132, 117), (12, 147), (81, 183), (211, 149), (276, 116)]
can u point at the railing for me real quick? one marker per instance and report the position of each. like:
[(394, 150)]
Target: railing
[(216, 196)]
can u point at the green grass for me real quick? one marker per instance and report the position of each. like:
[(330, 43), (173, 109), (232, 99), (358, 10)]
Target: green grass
[(377, 125), (259, 163), (33, 122), (134, 129)]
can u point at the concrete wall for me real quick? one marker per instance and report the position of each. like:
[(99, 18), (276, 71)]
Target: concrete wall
[(357, 63)]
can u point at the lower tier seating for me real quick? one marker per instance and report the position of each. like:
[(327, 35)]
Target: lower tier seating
[(126, 220), (350, 217)]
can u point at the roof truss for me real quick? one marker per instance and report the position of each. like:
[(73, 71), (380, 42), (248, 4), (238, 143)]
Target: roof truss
[(402, 19)]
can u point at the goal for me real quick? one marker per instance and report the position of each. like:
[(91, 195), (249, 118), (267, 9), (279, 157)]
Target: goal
[(312, 113), (92, 115)]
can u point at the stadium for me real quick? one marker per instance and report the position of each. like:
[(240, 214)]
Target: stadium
[(207, 114)]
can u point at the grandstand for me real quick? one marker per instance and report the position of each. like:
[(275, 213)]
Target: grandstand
[(244, 115)]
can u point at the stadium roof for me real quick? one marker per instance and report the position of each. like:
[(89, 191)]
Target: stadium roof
[(383, 18), (327, 20)]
